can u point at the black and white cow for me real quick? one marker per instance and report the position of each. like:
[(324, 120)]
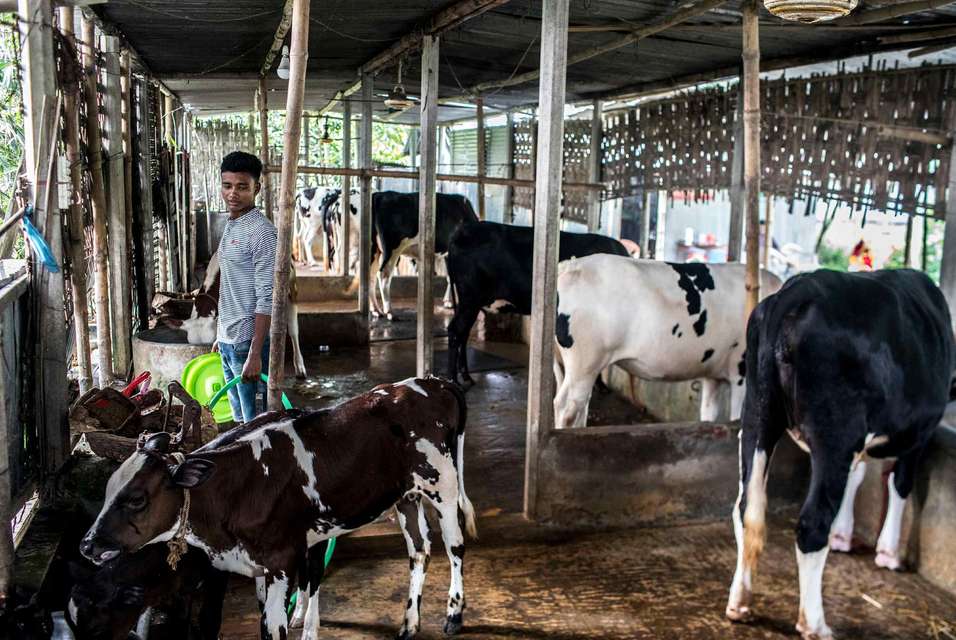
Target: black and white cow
[(259, 498), (395, 233), (309, 221), (850, 365), (656, 320), (490, 269), (331, 210)]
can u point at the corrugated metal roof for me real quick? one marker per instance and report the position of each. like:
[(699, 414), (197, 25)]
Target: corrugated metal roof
[(221, 44)]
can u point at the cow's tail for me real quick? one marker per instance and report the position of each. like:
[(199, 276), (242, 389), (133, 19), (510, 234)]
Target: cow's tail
[(467, 509)]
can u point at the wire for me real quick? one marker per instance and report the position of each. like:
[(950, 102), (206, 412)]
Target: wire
[(346, 35), (179, 16)]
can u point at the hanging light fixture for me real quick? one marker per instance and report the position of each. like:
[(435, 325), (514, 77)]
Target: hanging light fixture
[(283, 70), (810, 11), (326, 138), (397, 98)]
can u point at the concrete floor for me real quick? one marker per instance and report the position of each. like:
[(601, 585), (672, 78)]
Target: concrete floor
[(524, 581)]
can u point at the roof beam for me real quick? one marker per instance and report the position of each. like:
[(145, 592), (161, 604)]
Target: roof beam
[(284, 25), (446, 19), (679, 16), (892, 11)]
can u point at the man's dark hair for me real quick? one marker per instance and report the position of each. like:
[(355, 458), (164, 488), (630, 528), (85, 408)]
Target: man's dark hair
[(242, 162)]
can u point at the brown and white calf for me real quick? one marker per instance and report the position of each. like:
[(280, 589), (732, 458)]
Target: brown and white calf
[(258, 497), (200, 327)]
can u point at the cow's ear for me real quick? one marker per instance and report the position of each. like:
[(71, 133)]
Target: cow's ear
[(192, 472), (131, 596)]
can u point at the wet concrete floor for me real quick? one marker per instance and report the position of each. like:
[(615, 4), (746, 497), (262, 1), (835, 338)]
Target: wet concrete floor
[(525, 581)]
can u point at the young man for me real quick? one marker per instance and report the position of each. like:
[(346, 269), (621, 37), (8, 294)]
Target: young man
[(247, 254)]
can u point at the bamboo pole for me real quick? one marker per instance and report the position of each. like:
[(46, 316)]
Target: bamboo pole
[(262, 101), (480, 149), (551, 94), (751, 93), (737, 192), (126, 84), (508, 216), (104, 355), (365, 208), (120, 296), (77, 245), (425, 341), (346, 245), (767, 230), (295, 98), (594, 167)]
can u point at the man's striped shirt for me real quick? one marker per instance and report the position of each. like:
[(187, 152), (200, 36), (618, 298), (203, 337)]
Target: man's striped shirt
[(247, 255)]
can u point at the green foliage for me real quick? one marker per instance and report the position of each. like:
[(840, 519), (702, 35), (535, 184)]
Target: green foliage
[(934, 247), (831, 257), (11, 118), (897, 260)]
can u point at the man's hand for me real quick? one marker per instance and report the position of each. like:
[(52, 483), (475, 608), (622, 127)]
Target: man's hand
[(215, 346), (253, 367)]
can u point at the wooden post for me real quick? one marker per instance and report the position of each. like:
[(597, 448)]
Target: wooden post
[(908, 245), (508, 215), (751, 56), (424, 344), (767, 233), (263, 104), (295, 98), (126, 84), (947, 270), (120, 297), (737, 192), (174, 235), (647, 247), (104, 356), (594, 197), (346, 187), (81, 318), (480, 152), (365, 209), (547, 206), (922, 255), (40, 130)]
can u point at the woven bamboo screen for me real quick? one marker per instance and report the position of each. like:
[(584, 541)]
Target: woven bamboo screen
[(870, 139)]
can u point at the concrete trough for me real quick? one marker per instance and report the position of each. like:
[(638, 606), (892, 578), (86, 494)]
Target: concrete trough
[(164, 352)]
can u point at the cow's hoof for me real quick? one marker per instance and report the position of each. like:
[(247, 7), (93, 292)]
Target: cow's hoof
[(448, 305), (405, 634), (821, 633), (888, 560), (453, 624), (376, 315), (300, 375), (841, 542), (390, 316), (740, 613)]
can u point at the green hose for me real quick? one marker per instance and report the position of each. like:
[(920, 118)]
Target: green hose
[(288, 405)]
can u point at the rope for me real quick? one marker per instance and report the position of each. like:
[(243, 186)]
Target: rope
[(177, 544)]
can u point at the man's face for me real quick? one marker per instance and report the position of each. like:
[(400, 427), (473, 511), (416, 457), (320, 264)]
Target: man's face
[(239, 191)]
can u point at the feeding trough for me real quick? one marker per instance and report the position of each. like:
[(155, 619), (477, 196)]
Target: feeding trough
[(165, 353)]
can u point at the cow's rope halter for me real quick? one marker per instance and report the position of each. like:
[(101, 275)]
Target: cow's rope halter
[(177, 544)]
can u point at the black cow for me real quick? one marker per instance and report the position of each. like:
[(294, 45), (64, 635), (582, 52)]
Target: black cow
[(106, 603), (851, 365), (395, 233), (489, 266)]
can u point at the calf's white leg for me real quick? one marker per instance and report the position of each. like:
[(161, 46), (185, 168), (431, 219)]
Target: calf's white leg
[(811, 623), (411, 519), (709, 399), (888, 544), (293, 329)]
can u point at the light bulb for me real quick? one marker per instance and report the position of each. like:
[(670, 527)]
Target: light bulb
[(283, 70)]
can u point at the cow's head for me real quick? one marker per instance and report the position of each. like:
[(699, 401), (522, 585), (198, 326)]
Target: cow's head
[(101, 607), (143, 500)]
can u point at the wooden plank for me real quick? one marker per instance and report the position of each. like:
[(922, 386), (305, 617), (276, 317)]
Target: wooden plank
[(120, 296), (751, 94), (947, 271), (262, 103), (126, 83), (737, 183), (594, 173), (551, 94), (424, 343), (508, 216), (481, 153), (100, 212), (295, 100), (365, 208), (346, 187), (75, 233)]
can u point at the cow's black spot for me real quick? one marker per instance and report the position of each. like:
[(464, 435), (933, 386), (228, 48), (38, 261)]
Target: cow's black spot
[(680, 334), (458, 551), (694, 279), (734, 345), (409, 605), (419, 607), (674, 330), (397, 431), (707, 355), (701, 323), (563, 331), (742, 365)]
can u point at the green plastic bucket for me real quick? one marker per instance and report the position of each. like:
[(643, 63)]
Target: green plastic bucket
[(203, 379)]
